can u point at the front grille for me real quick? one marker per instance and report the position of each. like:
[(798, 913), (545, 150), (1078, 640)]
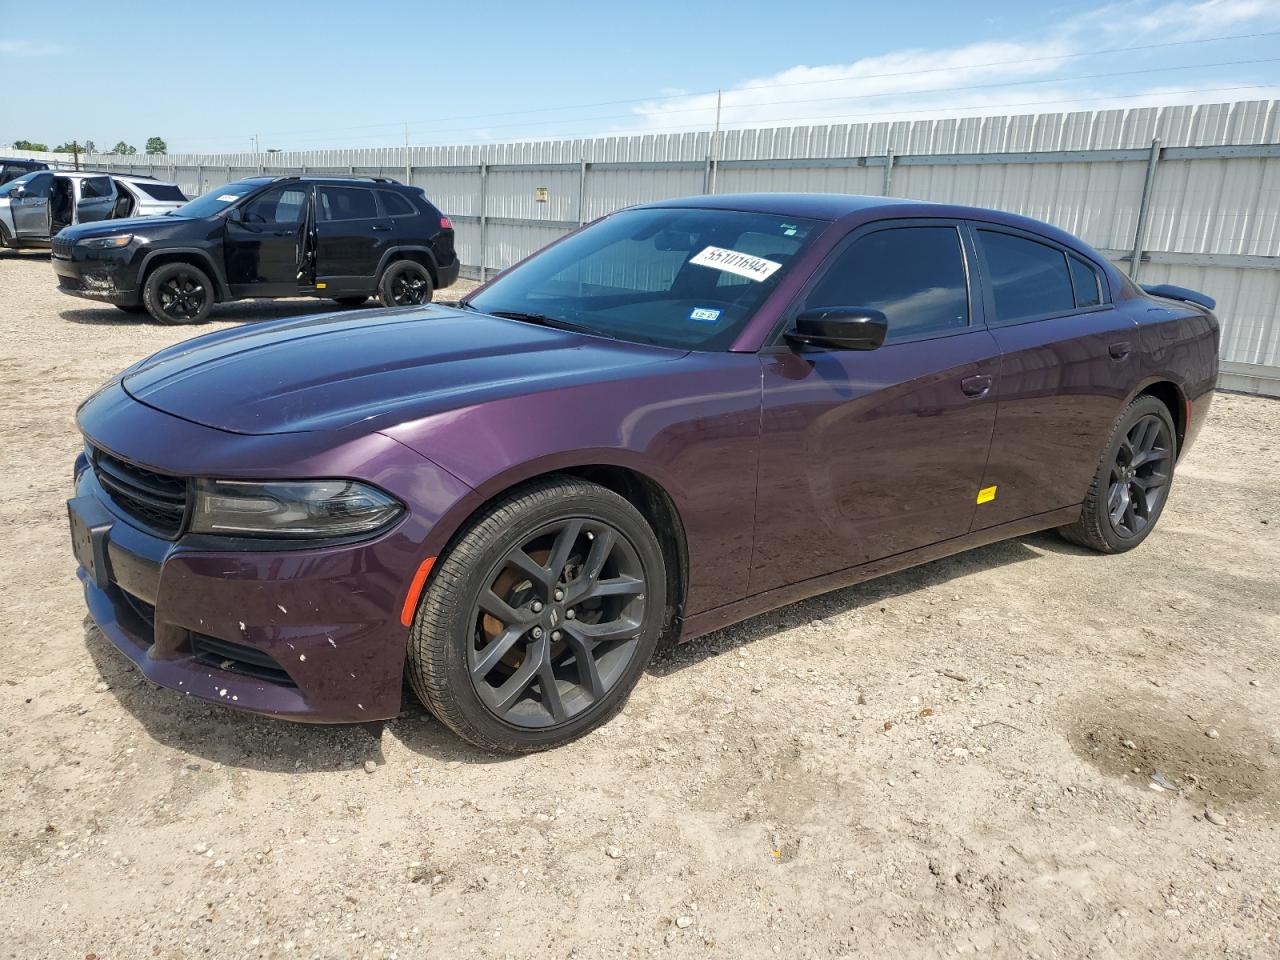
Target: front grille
[(62, 247), (238, 658), (156, 500)]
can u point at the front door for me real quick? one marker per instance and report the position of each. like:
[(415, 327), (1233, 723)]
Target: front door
[(264, 242), (1067, 368), (31, 208), (351, 235), (867, 454), (96, 199)]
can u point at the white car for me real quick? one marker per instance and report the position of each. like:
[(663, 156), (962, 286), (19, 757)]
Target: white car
[(34, 207)]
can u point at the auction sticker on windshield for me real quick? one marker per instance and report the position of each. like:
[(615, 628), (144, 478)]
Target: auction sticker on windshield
[(731, 261)]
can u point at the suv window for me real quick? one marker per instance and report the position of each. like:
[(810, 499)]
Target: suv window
[(914, 275), (1029, 279), (158, 191), (91, 187), (32, 184), (345, 203), (279, 205), (1085, 280), (395, 205)]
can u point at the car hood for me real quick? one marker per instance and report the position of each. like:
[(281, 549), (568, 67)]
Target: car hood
[(109, 228), (374, 368)]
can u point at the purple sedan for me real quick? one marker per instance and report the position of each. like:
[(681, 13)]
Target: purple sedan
[(679, 416)]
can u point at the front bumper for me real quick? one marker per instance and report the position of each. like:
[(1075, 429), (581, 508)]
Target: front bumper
[(311, 634), (104, 275)]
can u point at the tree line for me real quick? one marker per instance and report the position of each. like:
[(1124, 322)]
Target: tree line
[(154, 145)]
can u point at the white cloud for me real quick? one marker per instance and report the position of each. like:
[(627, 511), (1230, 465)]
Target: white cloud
[(919, 84), (29, 48)]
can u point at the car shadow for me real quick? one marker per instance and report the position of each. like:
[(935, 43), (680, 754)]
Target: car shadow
[(217, 734), (241, 311), (675, 657)]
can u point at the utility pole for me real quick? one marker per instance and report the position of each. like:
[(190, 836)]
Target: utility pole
[(256, 148), (75, 153), (715, 144)]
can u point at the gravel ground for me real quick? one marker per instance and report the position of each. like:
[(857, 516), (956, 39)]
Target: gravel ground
[(1026, 750)]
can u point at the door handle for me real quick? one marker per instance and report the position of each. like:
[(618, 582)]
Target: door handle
[(378, 226), (976, 386), (1119, 350)]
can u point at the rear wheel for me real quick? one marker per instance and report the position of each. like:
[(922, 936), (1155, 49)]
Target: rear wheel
[(542, 617), (405, 283), (1132, 483), (349, 301), (178, 293)]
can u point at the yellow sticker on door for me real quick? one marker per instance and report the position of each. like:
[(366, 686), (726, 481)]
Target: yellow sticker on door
[(986, 494)]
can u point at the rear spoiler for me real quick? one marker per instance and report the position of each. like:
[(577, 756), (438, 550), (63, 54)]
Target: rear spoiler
[(1171, 292)]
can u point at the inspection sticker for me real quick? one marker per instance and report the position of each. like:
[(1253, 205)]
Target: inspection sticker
[(731, 261), (227, 198), (704, 315)]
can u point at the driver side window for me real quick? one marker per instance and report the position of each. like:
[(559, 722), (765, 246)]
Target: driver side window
[(38, 186), (914, 275), (281, 205)]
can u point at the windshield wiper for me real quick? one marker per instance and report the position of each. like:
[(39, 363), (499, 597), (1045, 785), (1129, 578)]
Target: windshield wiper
[(540, 319)]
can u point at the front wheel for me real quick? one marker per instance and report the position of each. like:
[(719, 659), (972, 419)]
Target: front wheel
[(178, 293), (405, 283), (1132, 483), (542, 617)]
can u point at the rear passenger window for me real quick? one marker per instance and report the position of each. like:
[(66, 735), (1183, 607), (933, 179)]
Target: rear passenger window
[(1085, 280), (1029, 279), (345, 203), (92, 187), (914, 275), (396, 205)]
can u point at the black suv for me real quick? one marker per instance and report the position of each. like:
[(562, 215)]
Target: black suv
[(345, 239)]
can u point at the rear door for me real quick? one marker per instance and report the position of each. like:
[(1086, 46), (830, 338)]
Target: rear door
[(1067, 366), (31, 210), (867, 454), (352, 233), (95, 199), (264, 241)]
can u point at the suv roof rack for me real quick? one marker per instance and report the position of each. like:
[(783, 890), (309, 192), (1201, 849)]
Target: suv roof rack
[(336, 176)]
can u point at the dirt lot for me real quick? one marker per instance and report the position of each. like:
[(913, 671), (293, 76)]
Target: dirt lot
[(957, 759)]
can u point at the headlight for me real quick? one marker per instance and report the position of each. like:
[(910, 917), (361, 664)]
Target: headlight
[(107, 243), (302, 508)]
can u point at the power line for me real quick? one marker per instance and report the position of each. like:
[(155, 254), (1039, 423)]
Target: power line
[(796, 83)]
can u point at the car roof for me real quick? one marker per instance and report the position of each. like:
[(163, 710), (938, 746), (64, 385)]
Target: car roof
[(836, 206), (127, 177), (24, 161)]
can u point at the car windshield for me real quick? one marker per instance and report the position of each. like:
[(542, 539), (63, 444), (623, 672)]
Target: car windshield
[(684, 278), (219, 199), (7, 188)]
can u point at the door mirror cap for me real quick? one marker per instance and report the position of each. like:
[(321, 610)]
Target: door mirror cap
[(840, 328)]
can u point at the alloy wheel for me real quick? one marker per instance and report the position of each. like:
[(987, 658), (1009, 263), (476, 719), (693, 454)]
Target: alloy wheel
[(557, 623), (182, 296), (1140, 475), (408, 289)]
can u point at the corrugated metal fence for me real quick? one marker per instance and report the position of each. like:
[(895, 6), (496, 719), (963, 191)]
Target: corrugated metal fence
[(1187, 194)]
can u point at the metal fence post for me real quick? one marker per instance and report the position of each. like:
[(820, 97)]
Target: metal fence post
[(1144, 211), (888, 171), (484, 218), (582, 191)]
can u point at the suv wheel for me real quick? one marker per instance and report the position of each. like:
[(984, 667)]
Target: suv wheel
[(541, 618), (404, 284), (178, 293)]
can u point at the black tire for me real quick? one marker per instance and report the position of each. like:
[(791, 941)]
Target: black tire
[(349, 301), (1125, 500), (131, 307), (457, 650), (405, 283), (178, 293)]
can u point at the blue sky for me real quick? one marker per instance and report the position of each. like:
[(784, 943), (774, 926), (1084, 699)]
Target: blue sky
[(207, 78)]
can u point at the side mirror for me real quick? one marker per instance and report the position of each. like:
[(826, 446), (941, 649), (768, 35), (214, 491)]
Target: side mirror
[(20, 190), (840, 328)]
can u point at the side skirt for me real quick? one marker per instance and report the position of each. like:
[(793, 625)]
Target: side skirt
[(703, 623)]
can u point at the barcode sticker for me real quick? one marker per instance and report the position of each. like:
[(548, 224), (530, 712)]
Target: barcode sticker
[(731, 261)]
